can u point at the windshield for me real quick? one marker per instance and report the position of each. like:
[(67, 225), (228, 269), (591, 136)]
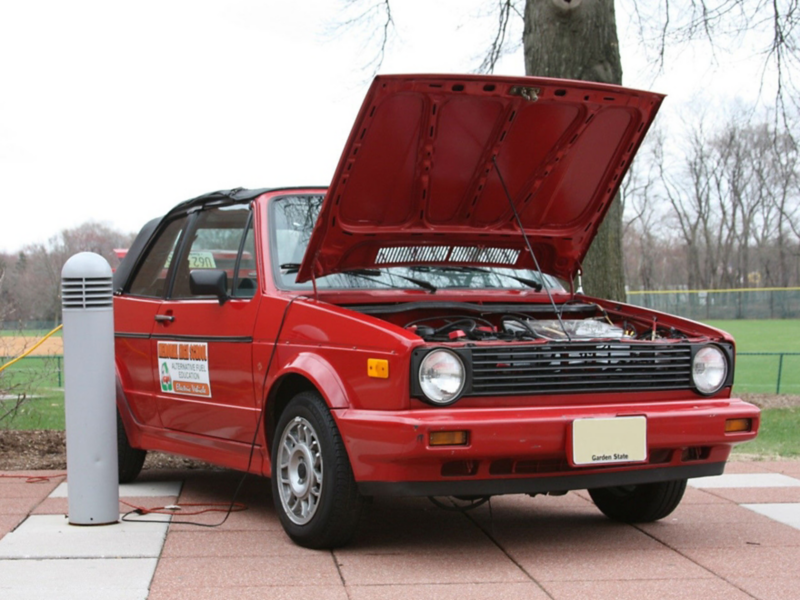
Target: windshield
[(292, 220)]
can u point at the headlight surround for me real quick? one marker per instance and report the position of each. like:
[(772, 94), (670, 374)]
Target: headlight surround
[(709, 369), (442, 376)]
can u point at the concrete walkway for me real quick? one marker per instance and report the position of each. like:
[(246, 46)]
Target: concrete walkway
[(734, 536)]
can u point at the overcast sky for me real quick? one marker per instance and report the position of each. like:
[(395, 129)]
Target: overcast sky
[(115, 111)]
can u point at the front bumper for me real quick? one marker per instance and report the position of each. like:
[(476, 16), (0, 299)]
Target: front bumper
[(525, 450)]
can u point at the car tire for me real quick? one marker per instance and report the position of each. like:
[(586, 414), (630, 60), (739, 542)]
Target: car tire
[(313, 488), (129, 459), (639, 503)]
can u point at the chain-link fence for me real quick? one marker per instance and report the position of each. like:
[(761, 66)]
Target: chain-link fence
[(41, 371), (767, 373), (28, 326), (702, 305)]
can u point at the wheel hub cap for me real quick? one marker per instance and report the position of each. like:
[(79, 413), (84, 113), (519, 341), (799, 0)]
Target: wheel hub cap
[(299, 470)]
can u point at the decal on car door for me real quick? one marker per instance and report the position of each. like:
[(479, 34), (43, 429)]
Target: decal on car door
[(183, 368)]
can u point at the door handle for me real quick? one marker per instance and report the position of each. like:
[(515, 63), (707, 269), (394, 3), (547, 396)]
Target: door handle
[(161, 318)]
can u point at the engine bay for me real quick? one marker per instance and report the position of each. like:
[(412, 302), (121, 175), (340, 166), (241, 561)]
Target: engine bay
[(572, 322)]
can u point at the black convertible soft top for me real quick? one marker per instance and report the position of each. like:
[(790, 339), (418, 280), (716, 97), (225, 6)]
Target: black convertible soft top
[(219, 198)]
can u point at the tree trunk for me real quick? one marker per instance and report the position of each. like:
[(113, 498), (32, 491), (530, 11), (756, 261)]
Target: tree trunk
[(577, 39)]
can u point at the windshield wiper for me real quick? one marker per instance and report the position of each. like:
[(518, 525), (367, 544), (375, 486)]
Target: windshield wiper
[(369, 274), (529, 282)]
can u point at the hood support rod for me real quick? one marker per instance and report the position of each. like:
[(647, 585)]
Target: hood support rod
[(530, 248)]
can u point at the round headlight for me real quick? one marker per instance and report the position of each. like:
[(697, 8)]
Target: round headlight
[(441, 376), (709, 369)]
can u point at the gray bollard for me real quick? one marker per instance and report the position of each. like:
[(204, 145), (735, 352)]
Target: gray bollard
[(89, 390)]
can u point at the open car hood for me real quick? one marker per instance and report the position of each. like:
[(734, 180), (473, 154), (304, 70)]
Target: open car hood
[(417, 182)]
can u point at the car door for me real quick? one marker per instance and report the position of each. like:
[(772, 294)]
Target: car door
[(135, 313), (203, 344)]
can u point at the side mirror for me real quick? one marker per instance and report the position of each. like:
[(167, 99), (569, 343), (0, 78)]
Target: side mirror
[(209, 282)]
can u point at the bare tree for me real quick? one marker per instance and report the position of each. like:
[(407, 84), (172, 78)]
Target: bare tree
[(780, 181), (734, 199), (770, 26), (645, 244), (34, 279), (577, 39), (504, 11), (373, 17)]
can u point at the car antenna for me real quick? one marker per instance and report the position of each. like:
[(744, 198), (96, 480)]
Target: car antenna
[(530, 248)]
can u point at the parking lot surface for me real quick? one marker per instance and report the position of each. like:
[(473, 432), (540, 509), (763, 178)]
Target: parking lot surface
[(734, 536)]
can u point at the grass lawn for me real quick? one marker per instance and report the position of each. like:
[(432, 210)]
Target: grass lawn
[(767, 335), (31, 333), (777, 436), (44, 412), (44, 408), (43, 371), (759, 374)]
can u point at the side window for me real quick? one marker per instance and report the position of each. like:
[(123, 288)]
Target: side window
[(151, 278), (216, 239)]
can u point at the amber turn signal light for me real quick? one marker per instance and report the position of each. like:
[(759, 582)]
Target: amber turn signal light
[(734, 425), (448, 438), (378, 367)]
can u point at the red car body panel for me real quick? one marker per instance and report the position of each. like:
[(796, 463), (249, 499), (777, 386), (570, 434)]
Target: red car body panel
[(394, 447), (134, 359), (232, 413)]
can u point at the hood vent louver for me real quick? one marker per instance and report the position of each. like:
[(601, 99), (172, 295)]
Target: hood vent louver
[(446, 254)]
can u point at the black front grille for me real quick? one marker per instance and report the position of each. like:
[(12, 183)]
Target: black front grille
[(580, 367)]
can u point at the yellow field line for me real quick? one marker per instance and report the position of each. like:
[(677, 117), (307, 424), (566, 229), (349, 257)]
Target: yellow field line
[(773, 289), (29, 350)]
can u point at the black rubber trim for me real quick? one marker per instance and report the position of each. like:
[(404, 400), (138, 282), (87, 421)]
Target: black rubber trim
[(242, 339), (204, 338), (378, 309), (536, 485), (129, 262)]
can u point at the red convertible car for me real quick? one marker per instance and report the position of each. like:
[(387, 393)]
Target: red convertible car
[(414, 329)]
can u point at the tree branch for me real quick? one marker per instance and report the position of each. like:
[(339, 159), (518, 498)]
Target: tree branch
[(375, 18), (499, 45)]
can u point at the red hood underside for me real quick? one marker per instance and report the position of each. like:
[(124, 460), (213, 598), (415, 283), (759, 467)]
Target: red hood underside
[(417, 183)]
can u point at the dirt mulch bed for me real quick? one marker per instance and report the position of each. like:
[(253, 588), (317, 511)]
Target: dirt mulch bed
[(46, 450), (23, 450), (14, 345), (772, 401)]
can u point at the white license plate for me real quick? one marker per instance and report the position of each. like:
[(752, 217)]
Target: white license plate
[(608, 441)]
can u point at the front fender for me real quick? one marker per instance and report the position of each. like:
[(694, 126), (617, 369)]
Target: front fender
[(321, 374)]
